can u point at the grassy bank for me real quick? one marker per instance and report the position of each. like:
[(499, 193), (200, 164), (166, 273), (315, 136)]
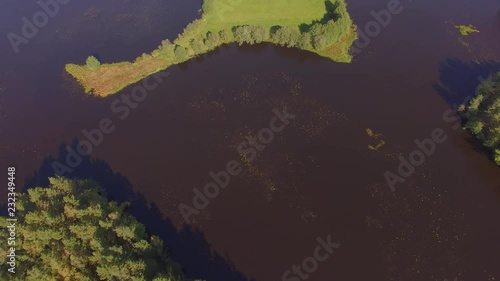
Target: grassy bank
[(482, 115), (319, 26)]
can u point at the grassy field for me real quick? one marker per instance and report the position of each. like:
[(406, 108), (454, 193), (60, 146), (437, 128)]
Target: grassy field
[(226, 15)]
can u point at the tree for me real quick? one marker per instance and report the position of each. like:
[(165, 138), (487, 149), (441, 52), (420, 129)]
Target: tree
[(166, 49), (191, 27), (225, 36), (286, 36), (180, 53), (260, 34), (69, 231), (475, 126), (320, 42), (197, 45), (497, 156), (483, 115), (144, 56), (93, 63), (305, 41)]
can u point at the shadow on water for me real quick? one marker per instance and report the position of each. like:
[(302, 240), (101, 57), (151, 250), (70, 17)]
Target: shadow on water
[(187, 246), (458, 80)]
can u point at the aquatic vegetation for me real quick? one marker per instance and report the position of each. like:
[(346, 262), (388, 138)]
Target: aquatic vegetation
[(466, 29), (375, 136), (322, 27), (482, 115)]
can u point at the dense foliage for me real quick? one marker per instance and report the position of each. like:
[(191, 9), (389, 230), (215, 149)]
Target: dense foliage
[(69, 231), (319, 26), (483, 115)]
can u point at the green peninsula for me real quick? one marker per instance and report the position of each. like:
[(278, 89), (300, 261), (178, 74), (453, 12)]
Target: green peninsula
[(319, 26)]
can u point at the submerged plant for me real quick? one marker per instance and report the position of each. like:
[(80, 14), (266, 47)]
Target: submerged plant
[(466, 29)]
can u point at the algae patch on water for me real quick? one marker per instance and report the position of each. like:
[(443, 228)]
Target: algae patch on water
[(466, 29)]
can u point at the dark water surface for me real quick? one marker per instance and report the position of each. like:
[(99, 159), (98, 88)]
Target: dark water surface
[(317, 178)]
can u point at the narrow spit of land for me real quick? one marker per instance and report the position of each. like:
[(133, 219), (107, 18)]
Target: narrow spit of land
[(319, 26)]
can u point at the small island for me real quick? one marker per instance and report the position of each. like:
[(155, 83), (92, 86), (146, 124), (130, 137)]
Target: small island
[(482, 115), (319, 26)]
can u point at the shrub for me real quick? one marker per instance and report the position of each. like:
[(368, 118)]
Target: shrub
[(71, 232), (92, 63)]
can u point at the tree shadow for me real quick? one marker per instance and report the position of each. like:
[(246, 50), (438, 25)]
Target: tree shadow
[(187, 246), (458, 80)]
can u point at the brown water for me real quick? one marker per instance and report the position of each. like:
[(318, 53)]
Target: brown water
[(317, 178)]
